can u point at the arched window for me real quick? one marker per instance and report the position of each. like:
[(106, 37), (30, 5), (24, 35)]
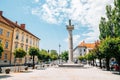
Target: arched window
[(16, 45), (27, 39), (30, 40), (8, 34), (22, 39), (6, 44), (1, 31), (17, 35)]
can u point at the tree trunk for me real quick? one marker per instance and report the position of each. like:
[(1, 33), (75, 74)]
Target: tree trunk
[(93, 62), (107, 64), (19, 65), (100, 63), (33, 62)]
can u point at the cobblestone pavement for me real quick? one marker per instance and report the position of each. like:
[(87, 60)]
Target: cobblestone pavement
[(52, 73)]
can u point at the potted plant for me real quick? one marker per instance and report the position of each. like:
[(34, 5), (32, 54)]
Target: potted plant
[(26, 68), (36, 67), (7, 71)]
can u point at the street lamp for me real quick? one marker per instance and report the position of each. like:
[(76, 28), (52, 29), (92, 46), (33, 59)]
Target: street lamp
[(59, 54)]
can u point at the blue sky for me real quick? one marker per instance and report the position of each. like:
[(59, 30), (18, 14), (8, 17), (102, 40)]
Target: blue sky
[(47, 19)]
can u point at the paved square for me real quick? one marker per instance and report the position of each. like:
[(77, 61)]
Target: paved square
[(85, 73)]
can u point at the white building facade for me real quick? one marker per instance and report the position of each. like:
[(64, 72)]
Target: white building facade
[(82, 49)]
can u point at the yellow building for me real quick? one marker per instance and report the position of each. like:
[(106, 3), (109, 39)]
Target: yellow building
[(6, 38), (20, 38), (24, 39)]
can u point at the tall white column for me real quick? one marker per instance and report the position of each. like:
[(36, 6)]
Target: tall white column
[(70, 28)]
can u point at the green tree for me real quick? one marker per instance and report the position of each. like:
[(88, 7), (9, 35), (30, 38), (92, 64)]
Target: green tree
[(115, 48), (43, 55), (1, 49), (102, 28), (109, 27), (106, 49), (53, 55), (91, 56), (64, 55), (33, 52), (116, 18), (19, 53), (81, 58)]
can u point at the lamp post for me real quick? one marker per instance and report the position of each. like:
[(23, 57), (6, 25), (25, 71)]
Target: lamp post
[(59, 54)]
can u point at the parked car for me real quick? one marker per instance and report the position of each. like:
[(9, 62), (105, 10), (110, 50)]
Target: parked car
[(113, 65)]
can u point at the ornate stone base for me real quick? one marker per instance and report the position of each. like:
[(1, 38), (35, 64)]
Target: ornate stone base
[(70, 62), (71, 65)]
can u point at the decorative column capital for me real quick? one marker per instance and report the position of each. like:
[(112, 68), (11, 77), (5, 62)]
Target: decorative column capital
[(70, 27)]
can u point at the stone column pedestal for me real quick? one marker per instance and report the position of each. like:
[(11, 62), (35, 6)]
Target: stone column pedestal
[(70, 28)]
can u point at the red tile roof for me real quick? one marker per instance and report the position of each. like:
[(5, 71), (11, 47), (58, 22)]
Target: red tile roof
[(88, 45), (12, 24)]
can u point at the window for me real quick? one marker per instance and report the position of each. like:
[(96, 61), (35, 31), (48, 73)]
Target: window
[(80, 50), (1, 31), (5, 56), (8, 34), (27, 39), (33, 43), (30, 40), (17, 35), (22, 38), (0, 40), (6, 44), (26, 48), (22, 46), (16, 45), (37, 43), (84, 50)]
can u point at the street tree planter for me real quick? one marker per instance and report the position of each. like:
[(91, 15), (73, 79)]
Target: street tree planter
[(7, 71), (26, 68)]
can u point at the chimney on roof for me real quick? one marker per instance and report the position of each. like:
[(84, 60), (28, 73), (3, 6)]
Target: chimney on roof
[(22, 26), (1, 12), (83, 41), (16, 22)]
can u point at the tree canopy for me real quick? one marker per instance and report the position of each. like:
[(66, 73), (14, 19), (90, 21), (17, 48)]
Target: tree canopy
[(91, 55), (19, 53), (109, 27), (43, 55), (33, 51), (64, 55), (53, 54)]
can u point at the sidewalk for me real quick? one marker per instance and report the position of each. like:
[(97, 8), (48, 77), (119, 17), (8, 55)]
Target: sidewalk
[(51, 73)]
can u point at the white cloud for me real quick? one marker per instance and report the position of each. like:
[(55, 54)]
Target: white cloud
[(85, 12), (76, 39), (36, 1)]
